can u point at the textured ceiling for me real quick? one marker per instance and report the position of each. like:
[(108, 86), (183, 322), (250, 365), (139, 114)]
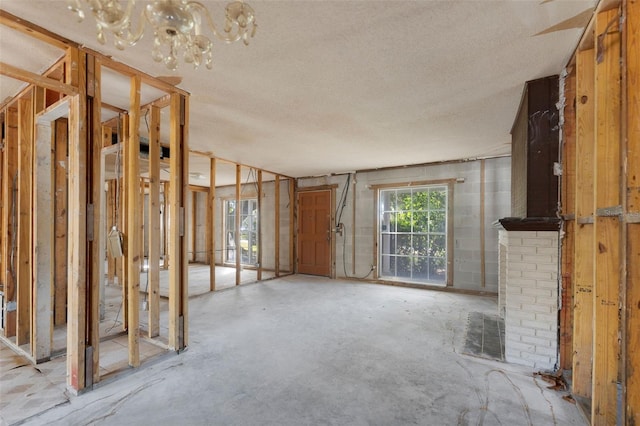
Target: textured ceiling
[(334, 86)]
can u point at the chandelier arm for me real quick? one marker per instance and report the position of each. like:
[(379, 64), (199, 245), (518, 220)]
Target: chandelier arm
[(119, 25), (136, 36), (203, 10)]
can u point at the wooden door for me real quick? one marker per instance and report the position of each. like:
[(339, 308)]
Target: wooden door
[(314, 233)]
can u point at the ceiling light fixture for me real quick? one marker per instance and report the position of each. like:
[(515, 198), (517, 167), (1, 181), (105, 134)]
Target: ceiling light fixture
[(177, 27)]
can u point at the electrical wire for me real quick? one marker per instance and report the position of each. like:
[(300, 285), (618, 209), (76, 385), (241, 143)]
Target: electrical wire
[(344, 260), (343, 201)]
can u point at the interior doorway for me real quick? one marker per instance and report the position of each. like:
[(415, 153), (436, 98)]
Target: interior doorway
[(314, 232)]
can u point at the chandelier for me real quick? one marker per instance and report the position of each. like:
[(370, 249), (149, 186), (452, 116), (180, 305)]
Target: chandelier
[(177, 27)]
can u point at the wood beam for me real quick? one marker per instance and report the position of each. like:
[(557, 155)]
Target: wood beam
[(194, 225), (259, 230), (584, 237), (177, 237), (607, 242), (237, 224), (133, 238), (211, 226), (25, 218), (77, 229), (631, 354), (292, 203), (277, 226), (153, 292), (36, 79), (165, 224), (95, 222), (9, 219), (35, 31)]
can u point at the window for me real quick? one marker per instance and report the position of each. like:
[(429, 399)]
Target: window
[(248, 231), (413, 233)]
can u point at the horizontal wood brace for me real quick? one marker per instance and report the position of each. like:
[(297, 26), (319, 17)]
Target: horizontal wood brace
[(609, 211), (585, 220)]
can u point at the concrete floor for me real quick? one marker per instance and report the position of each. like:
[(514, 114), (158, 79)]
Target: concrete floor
[(307, 350)]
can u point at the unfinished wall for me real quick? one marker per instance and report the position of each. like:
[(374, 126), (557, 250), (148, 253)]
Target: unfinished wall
[(467, 271), (224, 193)]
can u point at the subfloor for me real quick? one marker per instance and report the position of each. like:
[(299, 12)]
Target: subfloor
[(304, 350)]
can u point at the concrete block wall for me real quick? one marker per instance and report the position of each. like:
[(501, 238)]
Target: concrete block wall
[(531, 321), (466, 260)]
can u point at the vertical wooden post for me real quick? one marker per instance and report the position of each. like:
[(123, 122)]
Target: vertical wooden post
[(237, 227), (110, 206), (211, 222), (178, 291), (77, 228), (632, 338), (153, 292), (584, 246), (124, 209), (61, 126), (194, 226), (483, 262), (9, 219), (606, 345), (292, 203), (259, 230), (25, 210), (277, 226), (165, 224), (132, 246)]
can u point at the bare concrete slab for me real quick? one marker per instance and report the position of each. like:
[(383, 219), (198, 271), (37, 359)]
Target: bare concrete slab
[(305, 350)]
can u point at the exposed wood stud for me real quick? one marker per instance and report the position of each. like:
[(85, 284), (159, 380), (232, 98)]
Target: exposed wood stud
[(583, 242), (277, 226), (483, 265), (9, 221), (77, 228), (36, 79), (631, 355), (178, 291), (24, 216), (153, 290), (238, 248), (61, 219), (260, 227), (211, 225), (133, 238), (292, 195), (606, 345), (194, 226)]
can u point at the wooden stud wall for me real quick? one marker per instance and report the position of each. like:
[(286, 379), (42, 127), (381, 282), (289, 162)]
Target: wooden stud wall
[(153, 292), (631, 335), (583, 239), (61, 220), (24, 259), (607, 228), (77, 248), (211, 225), (133, 237), (9, 220)]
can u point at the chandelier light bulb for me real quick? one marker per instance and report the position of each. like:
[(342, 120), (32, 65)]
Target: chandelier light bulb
[(177, 27)]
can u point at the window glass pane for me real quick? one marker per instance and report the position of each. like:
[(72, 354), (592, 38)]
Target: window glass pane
[(413, 233), (404, 267), (420, 222)]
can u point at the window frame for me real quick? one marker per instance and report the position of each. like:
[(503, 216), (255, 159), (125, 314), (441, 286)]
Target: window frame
[(225, 222), (449, 184)]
